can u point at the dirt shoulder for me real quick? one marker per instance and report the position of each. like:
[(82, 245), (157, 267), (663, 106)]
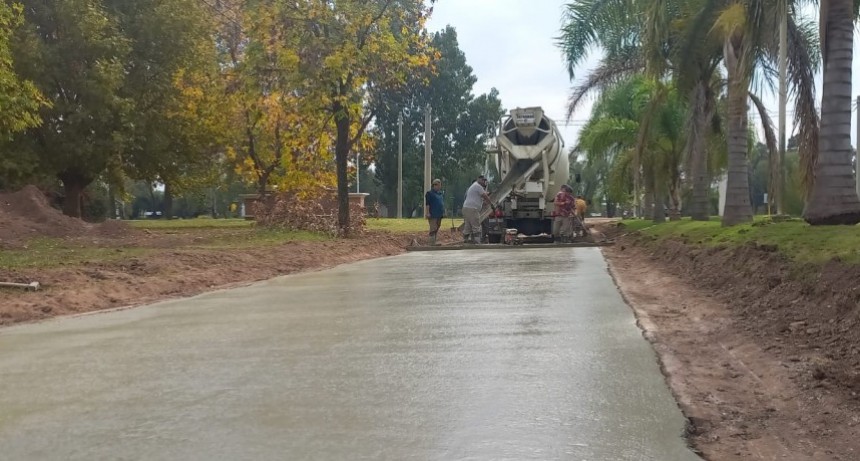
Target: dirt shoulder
[(146, 266), (760, 353)]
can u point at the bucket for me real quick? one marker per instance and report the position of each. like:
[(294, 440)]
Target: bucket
[(510, 236)]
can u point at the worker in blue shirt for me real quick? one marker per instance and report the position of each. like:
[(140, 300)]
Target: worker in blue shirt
[(434, 209)]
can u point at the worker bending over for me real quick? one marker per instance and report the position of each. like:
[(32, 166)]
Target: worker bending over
[(562, 221), (475, 198)]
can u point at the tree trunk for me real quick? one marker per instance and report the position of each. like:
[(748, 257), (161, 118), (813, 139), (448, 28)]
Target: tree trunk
[(649, 201), (341, 155), (111, 202), (658, 212), (833, 199), (701, 181), (738, 207), (168, 202), (263, 183), (74, 184), (675, 199)]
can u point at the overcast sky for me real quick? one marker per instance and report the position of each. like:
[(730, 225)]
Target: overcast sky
[(510, 45)]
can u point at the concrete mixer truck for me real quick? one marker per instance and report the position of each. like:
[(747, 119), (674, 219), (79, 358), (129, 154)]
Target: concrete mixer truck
[(532, 164)]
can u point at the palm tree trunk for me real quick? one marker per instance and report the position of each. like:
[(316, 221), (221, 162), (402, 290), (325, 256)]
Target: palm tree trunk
[(833, 199), (700, 202), (779, 179), (738, 207), (675, 197), (649, 196)]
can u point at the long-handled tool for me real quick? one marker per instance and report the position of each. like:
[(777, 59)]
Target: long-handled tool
[(587, 231), (32, 286)]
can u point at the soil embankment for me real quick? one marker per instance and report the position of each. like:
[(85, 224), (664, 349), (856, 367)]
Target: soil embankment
[(86, 267), (762, 353)]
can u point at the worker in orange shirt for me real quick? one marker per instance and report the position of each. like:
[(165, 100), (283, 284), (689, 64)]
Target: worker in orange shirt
[(579, 223)]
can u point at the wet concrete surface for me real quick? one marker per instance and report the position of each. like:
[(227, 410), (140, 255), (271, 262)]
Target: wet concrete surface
[(528, 354)]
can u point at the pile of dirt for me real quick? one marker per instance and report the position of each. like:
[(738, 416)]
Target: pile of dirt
[(806, 314), (26, 214)]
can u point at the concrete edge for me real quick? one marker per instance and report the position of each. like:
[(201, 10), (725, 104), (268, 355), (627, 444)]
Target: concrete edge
[(509, 247)]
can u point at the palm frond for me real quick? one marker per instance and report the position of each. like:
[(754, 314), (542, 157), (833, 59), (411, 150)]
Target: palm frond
[(649, 115), (770, 142), (657, 29), (586, 23), (605, 135), (802, 62), (697, 52), (609, 72)]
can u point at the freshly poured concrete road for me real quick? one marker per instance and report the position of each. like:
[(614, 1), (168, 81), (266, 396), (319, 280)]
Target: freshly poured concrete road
[(524, 354)]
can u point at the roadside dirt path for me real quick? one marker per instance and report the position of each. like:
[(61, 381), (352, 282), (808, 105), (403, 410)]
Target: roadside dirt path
[(742, 400), (176, 266)]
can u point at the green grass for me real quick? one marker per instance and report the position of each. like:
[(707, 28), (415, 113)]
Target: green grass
[(53, 252), (56, 252), (795, 239), (406, 226), (258, 238), (197, 223), (185, 234)]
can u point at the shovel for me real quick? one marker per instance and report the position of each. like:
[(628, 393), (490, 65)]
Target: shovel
[(32, 286)]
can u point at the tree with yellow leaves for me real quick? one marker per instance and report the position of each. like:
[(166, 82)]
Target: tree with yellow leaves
[(349, 49), (279, 137)]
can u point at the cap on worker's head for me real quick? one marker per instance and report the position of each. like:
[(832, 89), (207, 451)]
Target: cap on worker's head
[(437, 181), (567, 188), (481, 177)]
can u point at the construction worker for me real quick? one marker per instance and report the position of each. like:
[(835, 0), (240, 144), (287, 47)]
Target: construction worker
[(476, 195), (434, 209), (581, 208), (563, 214)]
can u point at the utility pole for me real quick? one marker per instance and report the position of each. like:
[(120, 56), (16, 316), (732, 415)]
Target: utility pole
[(857, 152), (783, 99), (428, 150), (357, 171), (400, 166)]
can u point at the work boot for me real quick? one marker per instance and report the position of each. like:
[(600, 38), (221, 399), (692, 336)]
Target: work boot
[(433, 240)]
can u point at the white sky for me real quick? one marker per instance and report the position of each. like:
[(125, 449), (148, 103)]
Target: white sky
[(510, 45)]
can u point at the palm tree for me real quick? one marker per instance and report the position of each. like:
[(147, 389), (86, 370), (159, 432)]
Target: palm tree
[(833, 199), (738, 55), (637, 126), (674, 38), (644, 37)]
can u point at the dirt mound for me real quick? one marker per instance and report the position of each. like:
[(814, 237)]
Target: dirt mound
[(807, 314), (113, 229), (27, 214)]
